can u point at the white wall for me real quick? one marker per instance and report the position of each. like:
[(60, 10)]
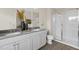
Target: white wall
[(42, 18), (49, 20), (7, 18), (32, 14), (45, 16)]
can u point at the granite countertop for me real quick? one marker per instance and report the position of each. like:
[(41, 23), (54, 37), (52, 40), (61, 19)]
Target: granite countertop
[(18, 33)]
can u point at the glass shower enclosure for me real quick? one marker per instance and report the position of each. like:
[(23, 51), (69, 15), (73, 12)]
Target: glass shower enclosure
[(66, 26)]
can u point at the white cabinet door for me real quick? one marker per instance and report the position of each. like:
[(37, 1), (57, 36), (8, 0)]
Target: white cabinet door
[(25, 43), (39, 39), (35, 41), (42, 37), (21, 45), (8, 47), (28, 42)]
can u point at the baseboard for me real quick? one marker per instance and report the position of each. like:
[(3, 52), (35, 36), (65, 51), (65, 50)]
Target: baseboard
[(67, 44)]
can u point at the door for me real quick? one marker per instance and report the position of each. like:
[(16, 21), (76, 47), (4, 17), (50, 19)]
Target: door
[(56, 26)]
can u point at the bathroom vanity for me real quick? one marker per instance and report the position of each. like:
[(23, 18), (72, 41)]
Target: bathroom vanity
[(26, 40)]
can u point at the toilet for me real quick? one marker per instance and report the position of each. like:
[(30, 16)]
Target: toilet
[(49, 39)]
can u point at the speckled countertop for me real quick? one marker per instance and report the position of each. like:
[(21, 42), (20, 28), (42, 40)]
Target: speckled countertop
[(19, 33)]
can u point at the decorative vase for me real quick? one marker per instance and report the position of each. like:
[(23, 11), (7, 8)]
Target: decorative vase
[(23, 25), (26, 26)]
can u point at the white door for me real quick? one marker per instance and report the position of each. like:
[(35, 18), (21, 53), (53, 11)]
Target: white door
[(56, 26)]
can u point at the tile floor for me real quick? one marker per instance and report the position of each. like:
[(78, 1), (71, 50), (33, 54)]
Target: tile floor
[(57, 46)]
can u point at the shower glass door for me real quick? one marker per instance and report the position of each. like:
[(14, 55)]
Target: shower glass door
[(70, 27), (65, 26)]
